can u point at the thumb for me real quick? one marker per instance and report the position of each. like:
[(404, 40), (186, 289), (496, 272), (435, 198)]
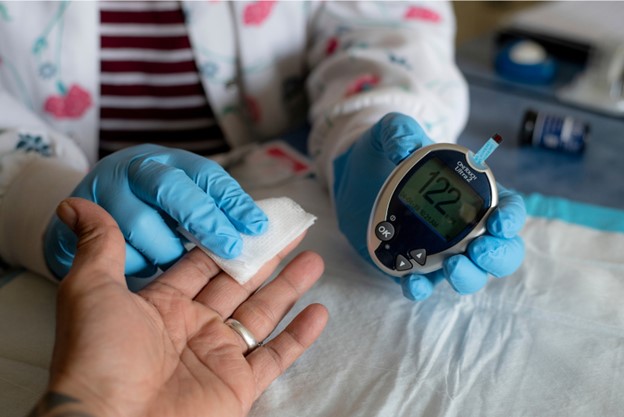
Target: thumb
[(100, 252)]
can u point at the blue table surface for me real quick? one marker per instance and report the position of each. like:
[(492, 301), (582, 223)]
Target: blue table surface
[(498, 106)]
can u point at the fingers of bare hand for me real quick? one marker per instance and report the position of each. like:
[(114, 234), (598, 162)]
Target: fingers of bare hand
[(263, 311), (188, 276), (271, 360), (223, 294)]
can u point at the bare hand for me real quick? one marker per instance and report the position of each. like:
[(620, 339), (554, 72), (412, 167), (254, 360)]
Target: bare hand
[(166, 351)]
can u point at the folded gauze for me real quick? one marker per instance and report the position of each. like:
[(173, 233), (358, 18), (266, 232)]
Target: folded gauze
[(287, 220)]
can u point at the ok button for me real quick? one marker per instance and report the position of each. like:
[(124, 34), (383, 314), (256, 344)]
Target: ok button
[(384, 231)]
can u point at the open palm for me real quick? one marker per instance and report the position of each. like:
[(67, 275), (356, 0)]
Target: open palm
[(166, 350)]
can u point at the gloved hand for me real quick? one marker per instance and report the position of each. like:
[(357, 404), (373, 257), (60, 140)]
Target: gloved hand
[(150, 190), (360, 173)]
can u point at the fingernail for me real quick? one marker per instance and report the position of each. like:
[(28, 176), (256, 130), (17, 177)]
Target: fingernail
[(67, 214)]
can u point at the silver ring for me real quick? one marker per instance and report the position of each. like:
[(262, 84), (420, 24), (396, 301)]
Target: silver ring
[(244, 333)]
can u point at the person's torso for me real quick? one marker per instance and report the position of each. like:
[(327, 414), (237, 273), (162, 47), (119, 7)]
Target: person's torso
[(150, 90), (250, 59)]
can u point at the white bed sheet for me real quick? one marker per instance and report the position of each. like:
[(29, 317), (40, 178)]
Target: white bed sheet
[(547, 341)]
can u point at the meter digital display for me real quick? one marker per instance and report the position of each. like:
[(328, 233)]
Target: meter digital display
[(441, 198), (431, 207)]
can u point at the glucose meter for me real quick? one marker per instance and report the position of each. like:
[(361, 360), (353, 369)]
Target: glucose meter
[(431, 206)]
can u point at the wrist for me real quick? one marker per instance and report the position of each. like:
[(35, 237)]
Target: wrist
[(56, 403), (68, 397)]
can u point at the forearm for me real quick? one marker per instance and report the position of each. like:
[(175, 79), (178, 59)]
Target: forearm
[(381, 63), (38, 168), (27, 203)]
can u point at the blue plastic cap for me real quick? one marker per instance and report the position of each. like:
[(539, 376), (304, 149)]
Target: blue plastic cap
[(525, 61)]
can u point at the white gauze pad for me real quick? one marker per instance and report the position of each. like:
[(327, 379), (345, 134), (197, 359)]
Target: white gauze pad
[(287, 220)]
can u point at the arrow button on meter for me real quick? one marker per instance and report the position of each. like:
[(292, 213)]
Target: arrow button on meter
[(419, 255), (402, 264)]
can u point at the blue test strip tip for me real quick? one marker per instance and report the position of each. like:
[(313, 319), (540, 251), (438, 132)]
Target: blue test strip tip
[(487, 149)]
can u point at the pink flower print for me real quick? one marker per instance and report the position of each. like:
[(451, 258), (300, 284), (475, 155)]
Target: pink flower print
[(258, 12), (331, 46), (72, 105), (253, 109), (364, 82), (421, 13)]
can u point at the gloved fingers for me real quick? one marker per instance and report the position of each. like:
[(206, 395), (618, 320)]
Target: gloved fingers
[(499, 257), (239, 207), (146, 231), (171, 190), (137, 265), (399, 135), (420, 287), (464, 276), (509, 217), (235, 203), (416, 287)]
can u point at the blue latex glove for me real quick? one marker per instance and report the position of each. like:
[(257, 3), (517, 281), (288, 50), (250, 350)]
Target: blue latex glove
[(150, 190), (360, 173)]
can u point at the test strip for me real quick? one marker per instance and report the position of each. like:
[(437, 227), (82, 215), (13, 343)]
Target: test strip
[(487, 149)]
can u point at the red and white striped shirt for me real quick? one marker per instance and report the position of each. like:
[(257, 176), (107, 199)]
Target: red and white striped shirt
[(151, 91)]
